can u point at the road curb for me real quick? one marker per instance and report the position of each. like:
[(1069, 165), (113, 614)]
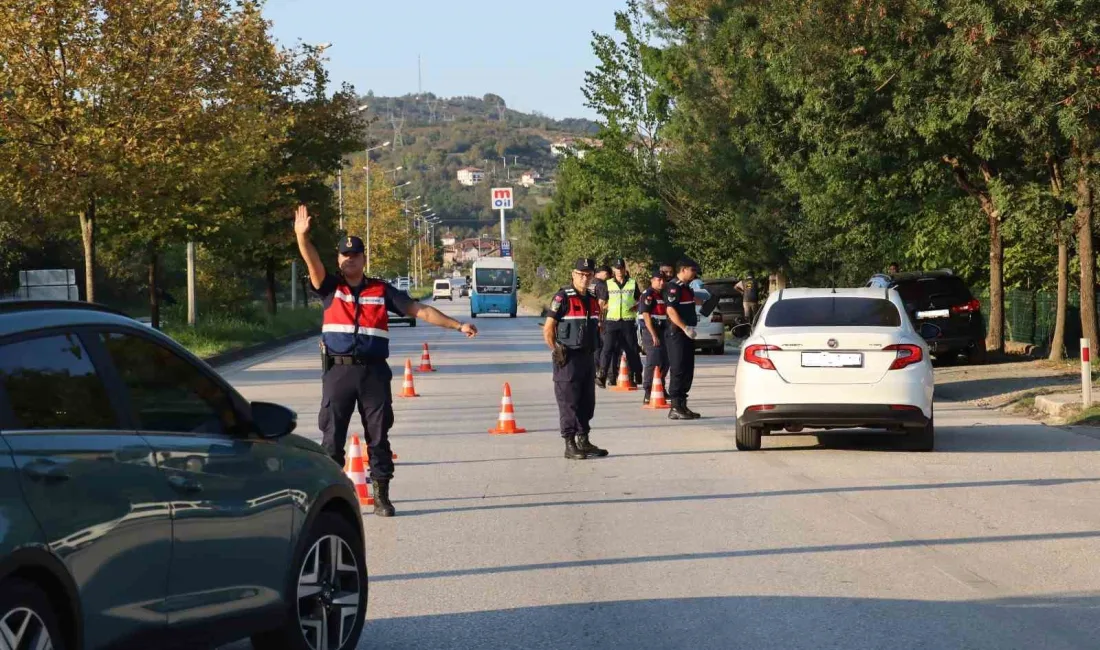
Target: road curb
[(233, 356)]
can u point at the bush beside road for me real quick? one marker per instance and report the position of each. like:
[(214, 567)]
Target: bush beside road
[(218, 333)]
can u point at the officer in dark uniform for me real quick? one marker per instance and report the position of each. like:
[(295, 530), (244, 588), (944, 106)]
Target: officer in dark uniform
[(571, 331), (679, 335), (652, 315), (355, 341), (750, 295), (598, 288)]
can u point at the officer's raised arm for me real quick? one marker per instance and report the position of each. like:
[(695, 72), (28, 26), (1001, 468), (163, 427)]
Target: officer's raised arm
[(302, 223)]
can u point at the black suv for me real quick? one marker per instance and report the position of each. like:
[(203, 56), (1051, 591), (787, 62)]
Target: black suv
[(942, 299), (145, 503)]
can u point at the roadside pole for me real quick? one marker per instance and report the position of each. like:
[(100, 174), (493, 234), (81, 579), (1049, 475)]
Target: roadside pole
[(191, 309), (502, 199), (1086, 375), (294, 284)]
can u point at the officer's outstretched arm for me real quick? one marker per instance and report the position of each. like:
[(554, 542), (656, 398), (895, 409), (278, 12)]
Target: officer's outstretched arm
[(549, 331), (439, 319), (302, 223)]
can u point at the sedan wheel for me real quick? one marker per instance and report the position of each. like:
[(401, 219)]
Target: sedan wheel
[(328, 604), (26, 619)]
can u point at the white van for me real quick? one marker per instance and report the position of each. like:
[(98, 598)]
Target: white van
[(442, 289)]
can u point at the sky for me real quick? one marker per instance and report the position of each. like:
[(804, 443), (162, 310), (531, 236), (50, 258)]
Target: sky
[(533, 54)]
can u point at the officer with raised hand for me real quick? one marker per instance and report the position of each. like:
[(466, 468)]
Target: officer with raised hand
[(355, 340), (679, 338), (653, 316), (571, 331)]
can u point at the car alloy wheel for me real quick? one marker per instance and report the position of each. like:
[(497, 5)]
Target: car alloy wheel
[(22, 628), (328, 594)]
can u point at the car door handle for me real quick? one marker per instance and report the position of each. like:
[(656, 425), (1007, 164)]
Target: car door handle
[(46, 471), (184, 484)]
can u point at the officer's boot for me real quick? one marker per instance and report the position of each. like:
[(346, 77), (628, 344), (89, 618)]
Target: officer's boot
[(693, 414), (678, 411), (588, 448), (601, 380), (571, 450), (637, 379), (645, 398), (382, 505)]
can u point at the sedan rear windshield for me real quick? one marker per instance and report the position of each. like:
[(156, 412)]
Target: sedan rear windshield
[(833, 312)]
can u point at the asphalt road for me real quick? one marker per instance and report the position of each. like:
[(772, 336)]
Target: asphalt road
[(676, 540)]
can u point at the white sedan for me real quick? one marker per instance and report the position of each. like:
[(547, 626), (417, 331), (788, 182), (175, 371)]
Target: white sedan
[(834, 359)]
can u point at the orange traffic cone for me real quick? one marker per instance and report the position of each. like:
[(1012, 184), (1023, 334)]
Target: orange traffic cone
[(657, 394), (407, 389), (623, 384), (425, 361), (506, 424), (355, 470)]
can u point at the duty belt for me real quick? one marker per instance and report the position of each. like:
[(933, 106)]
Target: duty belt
[(349, 360)]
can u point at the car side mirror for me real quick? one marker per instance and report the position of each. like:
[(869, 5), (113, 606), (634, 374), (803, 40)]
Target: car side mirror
[(929, 331), (273, 420), (742, 330)]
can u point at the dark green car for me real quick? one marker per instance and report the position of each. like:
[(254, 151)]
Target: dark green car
[(145, 503)]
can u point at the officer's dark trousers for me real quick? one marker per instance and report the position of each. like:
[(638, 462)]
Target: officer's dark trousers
[(575, 390), (655, 357), (366, 387), (620, 337), (681, 364)]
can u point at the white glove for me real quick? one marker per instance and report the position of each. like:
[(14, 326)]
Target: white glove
[(690, 331)]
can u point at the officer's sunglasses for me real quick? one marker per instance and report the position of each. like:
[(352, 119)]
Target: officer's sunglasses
[(585, 274)]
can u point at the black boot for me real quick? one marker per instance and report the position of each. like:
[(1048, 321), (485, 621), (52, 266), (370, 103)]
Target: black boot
[(382, 505), (678, 412), (588, 448), (571, 451), (637, 379), (693, 414), (601, 380), (645, 398)]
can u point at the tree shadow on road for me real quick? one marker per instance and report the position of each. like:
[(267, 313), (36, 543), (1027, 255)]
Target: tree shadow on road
[(1058, 622)]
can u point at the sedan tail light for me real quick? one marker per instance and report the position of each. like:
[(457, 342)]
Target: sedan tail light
[(971, 307), (907, 355), (716, 317), (758, 355)]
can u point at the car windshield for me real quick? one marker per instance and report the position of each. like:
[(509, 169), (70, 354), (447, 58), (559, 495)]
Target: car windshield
[(495, 277), (841, 311)]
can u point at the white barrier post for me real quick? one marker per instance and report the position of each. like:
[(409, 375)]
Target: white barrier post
[(1086, 374)]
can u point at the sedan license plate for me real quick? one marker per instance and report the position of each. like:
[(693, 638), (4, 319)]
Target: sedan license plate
[(832, 360), (938, 313)]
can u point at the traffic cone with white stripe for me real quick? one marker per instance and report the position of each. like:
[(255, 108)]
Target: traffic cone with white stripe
[(425, 361), (407, 389), (657, 395), (623, 384), (355, 470), (506, 423)]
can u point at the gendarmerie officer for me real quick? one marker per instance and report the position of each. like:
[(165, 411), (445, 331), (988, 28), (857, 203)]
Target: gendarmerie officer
[(652, 314), (571, 331), (598, 288), (679, 336), (356, 341)]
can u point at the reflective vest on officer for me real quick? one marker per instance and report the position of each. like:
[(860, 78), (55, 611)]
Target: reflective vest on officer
[(620, 299), (357, 326), (579, 327)]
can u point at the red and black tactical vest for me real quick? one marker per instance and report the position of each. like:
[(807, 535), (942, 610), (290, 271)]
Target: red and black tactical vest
[(357, 326)]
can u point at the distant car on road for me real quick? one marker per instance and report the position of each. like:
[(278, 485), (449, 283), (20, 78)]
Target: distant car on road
[(442, 289), (729, 300), (834, 358), (145, 503), (942, 299)]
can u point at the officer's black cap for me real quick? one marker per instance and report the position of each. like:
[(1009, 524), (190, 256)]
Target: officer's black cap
[(585, 265), (619, 264), (351, 246)]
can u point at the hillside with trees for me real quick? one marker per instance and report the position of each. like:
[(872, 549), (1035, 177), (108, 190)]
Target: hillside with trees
[(433, 137)]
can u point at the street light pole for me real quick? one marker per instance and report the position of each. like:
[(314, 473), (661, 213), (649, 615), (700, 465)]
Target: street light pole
[(367, 168), (340, 192)]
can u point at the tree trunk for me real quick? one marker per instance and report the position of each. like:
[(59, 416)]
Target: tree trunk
[(87, 234), (1058, 344), (995, 337), (272, 303), (1085, 253), (154, 294)]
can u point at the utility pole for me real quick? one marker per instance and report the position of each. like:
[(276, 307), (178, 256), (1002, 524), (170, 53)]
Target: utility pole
[(367, 168), (340, 192), (294, 284), (192, 311)]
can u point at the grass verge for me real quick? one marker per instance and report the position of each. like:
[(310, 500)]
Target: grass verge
[(218, 333), (1086, 417)]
